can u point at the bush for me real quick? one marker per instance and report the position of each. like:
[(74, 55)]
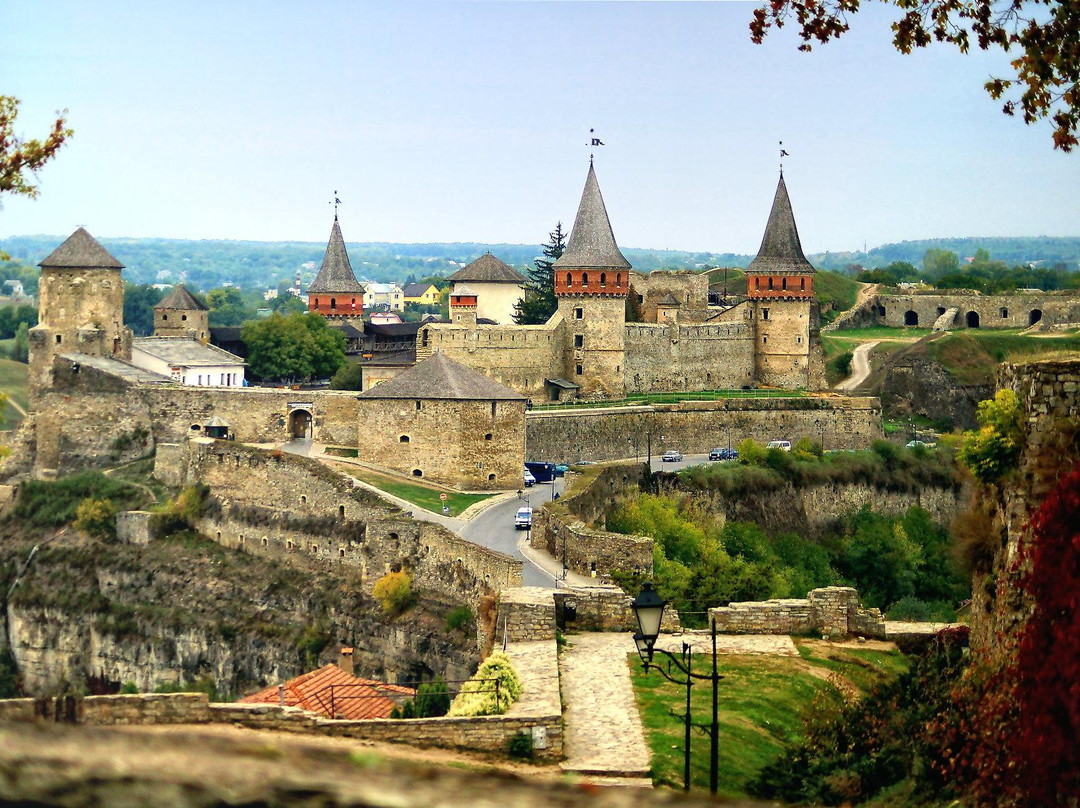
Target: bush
[(432, 699), (920, 611), (129, 689), (481, 696), (460, 617), (53, 503), (751, 453), (394, 592), (994, 448), (96, 517), (520, 746)]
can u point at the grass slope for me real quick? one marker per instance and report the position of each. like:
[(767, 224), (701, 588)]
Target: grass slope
[(427, 498), (14, 382), (763, 703)]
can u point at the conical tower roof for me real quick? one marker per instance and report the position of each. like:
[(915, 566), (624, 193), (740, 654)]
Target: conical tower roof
[(336, 274), (781, 250), (180, 299), (592, 244), (81, 251)]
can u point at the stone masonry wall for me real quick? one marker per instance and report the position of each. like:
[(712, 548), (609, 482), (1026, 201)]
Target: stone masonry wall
[(690, 289), (568, 436), (1016, 308), (663, 358), (833, 610), (588, 551)]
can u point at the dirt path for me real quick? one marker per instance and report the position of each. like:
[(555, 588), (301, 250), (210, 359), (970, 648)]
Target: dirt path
[(860, 366)]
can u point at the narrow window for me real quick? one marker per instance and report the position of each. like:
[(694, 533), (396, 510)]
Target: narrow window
[(418, 404), (265, 541), (58, 339), (303, 499), (341, 511), (765, 339), (783, 284), (579, 340), (770, 286), (603, 280), (316, 302), (577, 370), (640, 299), (333, 302), (480, 465), (802, 284), (579, 314), (493, 409), (164, 317), (764, 314), (341, 553), (584, 279), (618, 279)]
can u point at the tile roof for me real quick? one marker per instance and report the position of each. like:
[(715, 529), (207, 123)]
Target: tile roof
[(781, 250), (417, 289), (81, 251), (117, 368), (181, 300), (336, 273), (353, 698), (667, 300), (185, 352), (592, 244), (488, 269), (442, 378)]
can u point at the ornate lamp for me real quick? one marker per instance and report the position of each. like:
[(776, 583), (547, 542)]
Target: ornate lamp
[(648, 607)]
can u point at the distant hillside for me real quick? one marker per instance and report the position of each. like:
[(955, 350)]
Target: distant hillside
[(1045, 250), (207, 264)]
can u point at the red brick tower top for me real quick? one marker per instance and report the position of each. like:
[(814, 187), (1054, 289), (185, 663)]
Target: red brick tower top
[(592, 264), (335, 291), (780, 271)]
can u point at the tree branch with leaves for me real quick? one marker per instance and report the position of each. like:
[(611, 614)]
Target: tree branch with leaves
[(1042, 33), (20, 160)]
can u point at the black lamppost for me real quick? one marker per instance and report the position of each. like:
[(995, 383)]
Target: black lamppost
[(648, 607)]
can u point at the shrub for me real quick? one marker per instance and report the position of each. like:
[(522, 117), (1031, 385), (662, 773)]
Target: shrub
[(128, 689), (921, 611), (481, 696), (460, 617), (394, 592), (53, 503), (432, 699), (994, 448), (96, 517), (751, 453), (520, 745)]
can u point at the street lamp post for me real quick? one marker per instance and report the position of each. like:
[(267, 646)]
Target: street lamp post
[(648, 607)]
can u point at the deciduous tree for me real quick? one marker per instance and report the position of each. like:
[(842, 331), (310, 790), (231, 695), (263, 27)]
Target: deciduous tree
[(1041, 33), (20, 160)]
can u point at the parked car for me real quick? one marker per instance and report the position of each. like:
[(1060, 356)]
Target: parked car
[(541, 472), (529, 479), (724, 454), (671, 456), (523, 518), (911, 444), (782, 445), (561, 469)]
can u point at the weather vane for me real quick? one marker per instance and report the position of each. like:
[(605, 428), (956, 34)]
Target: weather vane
[(335, 203), (594, 141), (783, 154)]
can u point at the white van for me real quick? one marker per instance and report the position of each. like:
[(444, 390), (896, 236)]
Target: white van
[(782, 445), (523, 519)]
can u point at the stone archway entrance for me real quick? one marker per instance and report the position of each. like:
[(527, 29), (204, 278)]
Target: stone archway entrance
[(911, 317), (300, 424), (1035, 316), (973, 319)]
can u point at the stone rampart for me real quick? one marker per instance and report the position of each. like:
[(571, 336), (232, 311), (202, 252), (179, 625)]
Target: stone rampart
[(588, 551), (133, 527), (661, 358), (533, 613), (568, 436), (974, 310), (834, 611), (525, 614)]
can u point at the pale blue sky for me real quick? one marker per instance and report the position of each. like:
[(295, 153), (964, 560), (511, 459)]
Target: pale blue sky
[(467, 121)]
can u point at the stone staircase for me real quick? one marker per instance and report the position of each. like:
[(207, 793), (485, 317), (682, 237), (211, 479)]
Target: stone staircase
[(946, 321)]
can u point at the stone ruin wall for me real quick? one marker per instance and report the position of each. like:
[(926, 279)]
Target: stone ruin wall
[(690, 288), (568, 436), (587, 551), (1049, 394), (833, 611), (1056, 308)]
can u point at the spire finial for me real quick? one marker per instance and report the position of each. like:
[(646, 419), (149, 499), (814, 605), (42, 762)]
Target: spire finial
[(593, 141), (335, 203), (783, 154)]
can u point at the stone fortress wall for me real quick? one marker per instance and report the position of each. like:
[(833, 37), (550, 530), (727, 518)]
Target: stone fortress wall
[(1019, 310), (689, 288), (567, 436), (277, 504), (833, 611), (688, 356)]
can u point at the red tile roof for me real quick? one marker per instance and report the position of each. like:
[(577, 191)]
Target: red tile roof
[(352, 698)]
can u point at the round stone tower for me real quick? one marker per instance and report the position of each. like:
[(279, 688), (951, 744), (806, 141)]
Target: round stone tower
[(592, 278), (80, 308), (181, 314), (780, 288)]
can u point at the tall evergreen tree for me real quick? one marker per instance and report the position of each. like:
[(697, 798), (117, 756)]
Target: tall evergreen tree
[(539, 302)]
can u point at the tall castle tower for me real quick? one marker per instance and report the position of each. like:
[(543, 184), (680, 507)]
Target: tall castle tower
[(335, 292), (181, 314), (591, 282), (780, 288), (80, 308)]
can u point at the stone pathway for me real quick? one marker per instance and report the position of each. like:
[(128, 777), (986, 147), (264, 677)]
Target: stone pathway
[(603, 730)]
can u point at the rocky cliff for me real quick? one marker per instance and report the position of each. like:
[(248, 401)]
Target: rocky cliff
[(91, 615)]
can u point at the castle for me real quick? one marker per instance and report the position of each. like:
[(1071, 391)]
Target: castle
[(588, 348)]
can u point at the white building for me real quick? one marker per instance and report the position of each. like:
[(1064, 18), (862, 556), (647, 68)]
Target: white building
[(188, 361), (387, 296), (497, 285)]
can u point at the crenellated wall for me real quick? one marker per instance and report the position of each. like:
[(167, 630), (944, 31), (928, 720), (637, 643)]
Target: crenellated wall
[(661, 358)]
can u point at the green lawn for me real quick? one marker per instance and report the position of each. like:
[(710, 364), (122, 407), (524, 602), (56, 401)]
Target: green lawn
[(427, 498), (763, 703), (14, 383)]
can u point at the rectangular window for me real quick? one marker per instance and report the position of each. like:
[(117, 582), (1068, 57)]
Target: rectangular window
[(579, 314), (579, 340), (577, 370), (764, 314)]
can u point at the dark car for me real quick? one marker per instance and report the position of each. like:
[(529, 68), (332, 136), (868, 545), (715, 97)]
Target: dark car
[(724, 454)]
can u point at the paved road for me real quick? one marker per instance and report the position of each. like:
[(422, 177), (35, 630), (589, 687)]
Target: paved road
[(494, 528)]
